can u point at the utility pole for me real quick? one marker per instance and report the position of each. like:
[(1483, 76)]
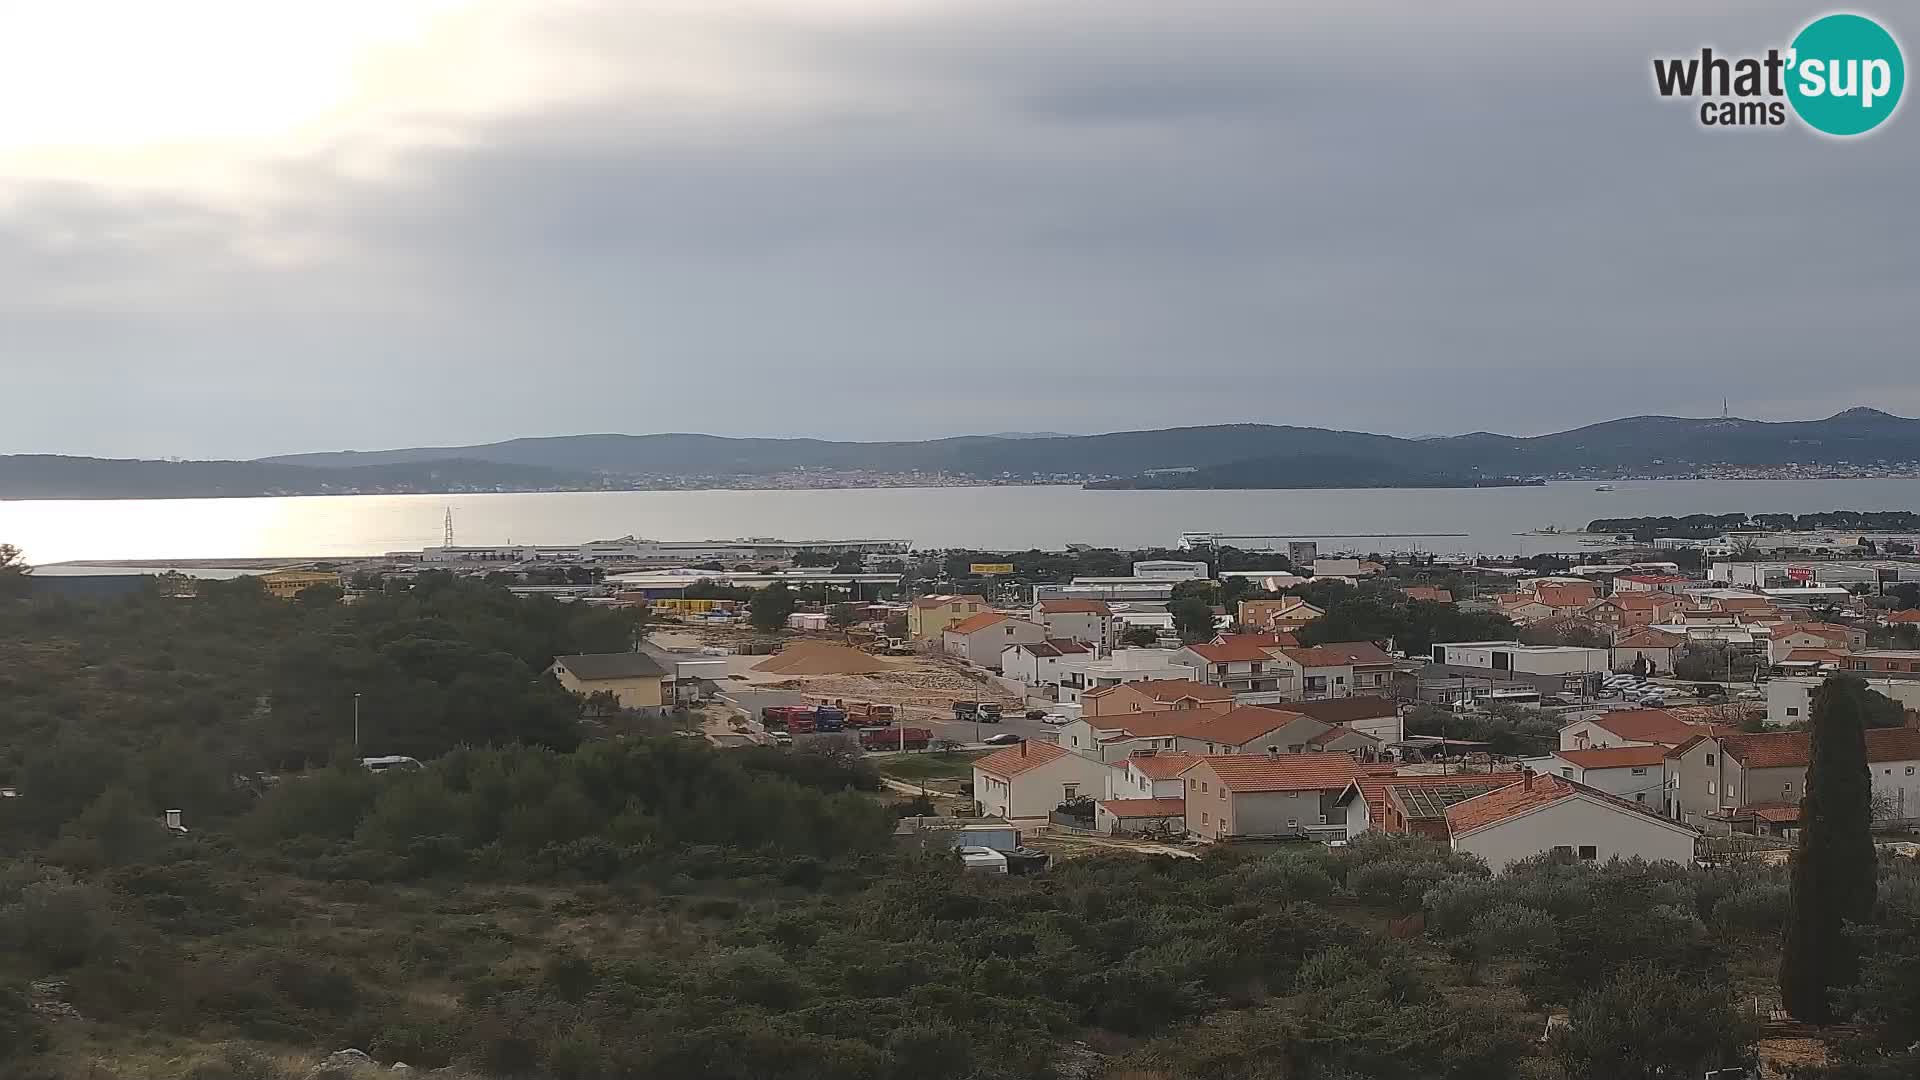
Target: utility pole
[(356, 721)]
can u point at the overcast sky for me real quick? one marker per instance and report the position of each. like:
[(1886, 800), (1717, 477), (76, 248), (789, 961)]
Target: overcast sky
[(232, 228)]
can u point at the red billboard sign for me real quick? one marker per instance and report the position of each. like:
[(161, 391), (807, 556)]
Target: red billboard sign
[(1799, 573)]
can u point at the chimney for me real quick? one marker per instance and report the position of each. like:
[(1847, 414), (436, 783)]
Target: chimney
[(1023, 748)]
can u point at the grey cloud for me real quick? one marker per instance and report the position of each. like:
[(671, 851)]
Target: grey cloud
[(1065, 217)]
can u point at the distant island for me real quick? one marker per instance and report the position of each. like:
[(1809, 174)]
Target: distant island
[(1705, 526), (1857, 442)]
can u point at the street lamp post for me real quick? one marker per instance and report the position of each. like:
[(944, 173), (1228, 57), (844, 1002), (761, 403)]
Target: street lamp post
[(356, 722)]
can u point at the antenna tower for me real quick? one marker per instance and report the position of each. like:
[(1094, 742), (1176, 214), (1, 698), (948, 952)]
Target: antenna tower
[(448, 542)]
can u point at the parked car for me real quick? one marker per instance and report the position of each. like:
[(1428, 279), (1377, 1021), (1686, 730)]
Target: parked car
[(1005, 738), (1036, 714), (1054, 719)]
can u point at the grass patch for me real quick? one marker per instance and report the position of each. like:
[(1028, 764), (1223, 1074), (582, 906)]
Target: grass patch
[(916, 768)]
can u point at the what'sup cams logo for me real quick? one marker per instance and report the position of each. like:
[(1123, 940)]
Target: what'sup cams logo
[(1842, 75)]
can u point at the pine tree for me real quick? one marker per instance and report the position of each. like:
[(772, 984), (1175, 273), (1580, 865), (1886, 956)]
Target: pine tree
[(1833, 866)]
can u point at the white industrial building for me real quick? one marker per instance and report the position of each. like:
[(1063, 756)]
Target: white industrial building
[(1505, 656)]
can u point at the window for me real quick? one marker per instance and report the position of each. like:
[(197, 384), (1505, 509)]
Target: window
[(1641, 771), (1589, 853), (1709, 760), (1068, 791), (1909, 770), (1786, 788), (1293, 823), (1793, 710), (1711, 789), (1203, 785), (1568, 773), (1203, 817), (1562, 849), (1323, 819), (1223, 793), (1639, 796)]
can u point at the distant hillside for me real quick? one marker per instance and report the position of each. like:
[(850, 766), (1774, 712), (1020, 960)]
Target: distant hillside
[(37, 476), (1304, 471), (1226, 455)]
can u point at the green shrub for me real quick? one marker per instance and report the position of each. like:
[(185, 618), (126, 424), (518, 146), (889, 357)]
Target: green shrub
[(1759, 908)]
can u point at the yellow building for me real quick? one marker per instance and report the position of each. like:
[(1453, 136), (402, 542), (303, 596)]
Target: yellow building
[(286, 584), (632, 678), (929, 616)]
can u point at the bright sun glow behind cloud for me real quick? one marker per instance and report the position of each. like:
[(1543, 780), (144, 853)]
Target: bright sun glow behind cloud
[(195, 93)]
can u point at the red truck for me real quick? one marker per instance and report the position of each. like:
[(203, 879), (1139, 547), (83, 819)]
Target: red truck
[(913, 738)]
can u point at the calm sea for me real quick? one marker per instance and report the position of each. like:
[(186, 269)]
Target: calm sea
[(1489, 519)]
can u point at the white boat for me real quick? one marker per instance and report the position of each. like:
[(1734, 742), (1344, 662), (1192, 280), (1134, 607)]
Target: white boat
[(1604, 487)]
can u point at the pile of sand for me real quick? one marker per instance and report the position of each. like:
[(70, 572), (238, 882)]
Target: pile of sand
[(821, 658)]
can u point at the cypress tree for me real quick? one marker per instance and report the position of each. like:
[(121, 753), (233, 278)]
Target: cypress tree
[(1833, 865)]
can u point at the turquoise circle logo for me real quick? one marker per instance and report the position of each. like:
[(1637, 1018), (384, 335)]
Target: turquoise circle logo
[(1846, 74)]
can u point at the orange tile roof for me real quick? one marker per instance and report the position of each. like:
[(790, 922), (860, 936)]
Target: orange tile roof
[(1647, 725), (977, 622), (1742, 603), (1075, 607), (1236, 726), (1615, 757), (1769, 749), (1161, 764), (1246, 773), (1428, 592), (1531, 793), (1817, 656), (1825, 630), (1893, 744), (1374, 788), (1339, 654), (1562, 596), (1238, 648), (1014, 760), (1167, 690), (1334, 734), (1777, 813), (1904, 616), (1139, 808)]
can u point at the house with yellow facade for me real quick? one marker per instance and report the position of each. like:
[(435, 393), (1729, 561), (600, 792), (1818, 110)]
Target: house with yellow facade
[(286, 584), (928, 617), (633, 678)]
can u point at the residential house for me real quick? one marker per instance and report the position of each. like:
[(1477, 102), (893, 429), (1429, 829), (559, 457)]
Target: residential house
[(1242, 663), (1910, 617), (1790, 697), (635, 679), (287, 584), (1784, 638), (1522, 608), (1647, 583), (1286, 614), (1031, 779), (1880, 661), (929, 616), (1656, 647), (1341, 669), (1565, 597), (1623, 614), (1635, 773), (1153, 695), (982, 639), (1429, 593), (1251, 729), (1420, 808), (1115, 738), (1540, 814), (1628, 727), (1246, 796), (1045, 663), (1122, 816), (1088, 621), (1149, 774), (1125, 666), (1755, 781), (1346, 568), (1371, 715)]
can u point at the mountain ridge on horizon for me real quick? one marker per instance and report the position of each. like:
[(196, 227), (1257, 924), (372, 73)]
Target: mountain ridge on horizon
[(1219, 455)]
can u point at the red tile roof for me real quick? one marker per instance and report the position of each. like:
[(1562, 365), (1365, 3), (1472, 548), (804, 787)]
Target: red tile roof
[(1139, 808), (1245, 773), (1532, 793), (1615, 757), (1568, 595), (1830, 631), (1904, 616), (1014, 760), (977, 622), (1647, 725), (1334, 734), (1428, 592), (1237, 726), (1075, 607), (1339, 654), (1161, 764), (1239, 648), (1777, 813), (1893, 744), (1374, 788), (1166, 690)]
